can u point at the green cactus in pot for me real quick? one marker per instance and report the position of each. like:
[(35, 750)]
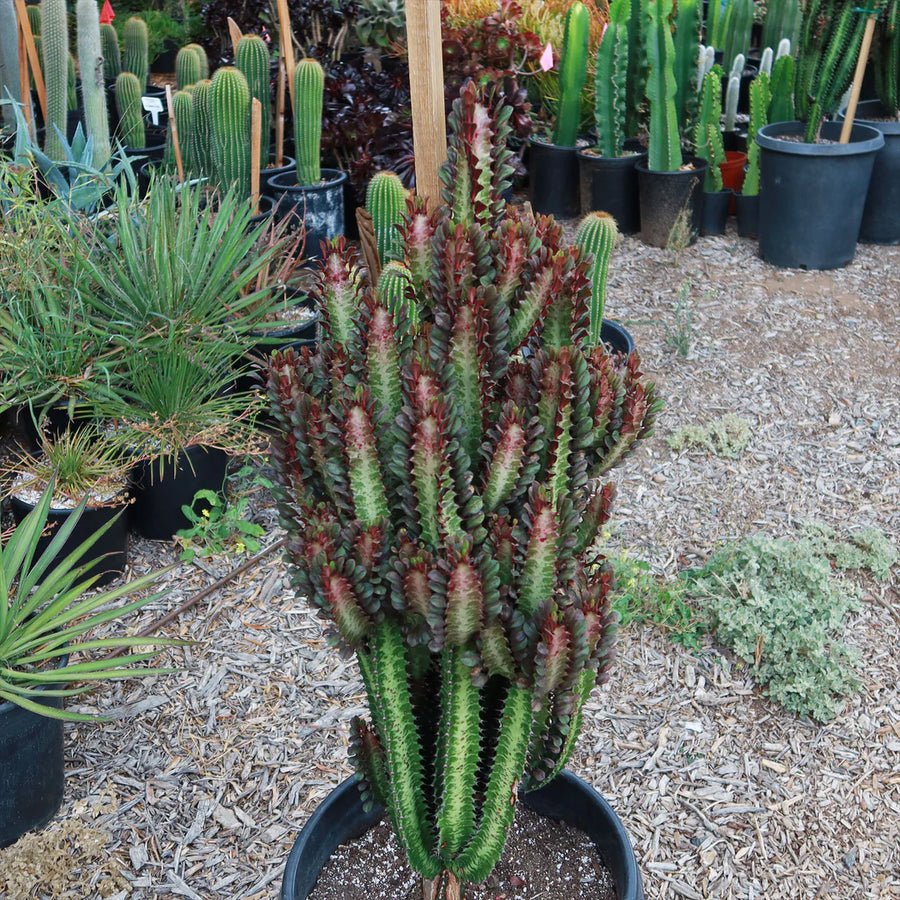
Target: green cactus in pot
[(308, 98), (441, 494)]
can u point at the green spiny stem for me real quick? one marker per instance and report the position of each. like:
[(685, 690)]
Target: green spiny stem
[(366, 477), (252, 58), (638, 37), (112, 55), (128, 103), (781, 104), (309, 90), (9, 58), (204, 59), (759, 103), (386, 203), (183, 108), (782, 21), (203, 139), (93, 87), (737, 37), (664, 151), (597, 236), (886, 57), (135, 49), (392, 289), (611, 81), (572, 74), (33, 10), (187, 68), (229, 113), (686, 39), (55, 53), (713, 151)]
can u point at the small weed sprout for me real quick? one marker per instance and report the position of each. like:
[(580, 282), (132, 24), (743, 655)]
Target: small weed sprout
[(681, 235), (680, 334)]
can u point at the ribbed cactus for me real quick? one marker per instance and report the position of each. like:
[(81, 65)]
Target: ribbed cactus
[(782, 21), (572, 74), (596, 236), (781, 103), (203, 139), (229, 114), (439, 504), (710, 109), (183, 109), (252, 58), (686, 37), (131, 118), (204, 59), (9, 59), (55, 53), (112, 55), (309, 91), (712, 150), (732, 97), (386, 203), (759, 103), (93, 85), (136, 50), (33, 11), (738, 25), (611, 81), (664, 150), (638, 30), (187, 68), (886, 57), (392, 291)]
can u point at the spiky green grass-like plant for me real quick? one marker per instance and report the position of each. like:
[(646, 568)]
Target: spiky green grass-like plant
[(441, 495)]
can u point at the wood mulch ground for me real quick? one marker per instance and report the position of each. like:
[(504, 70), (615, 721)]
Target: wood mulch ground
[(202, 780)]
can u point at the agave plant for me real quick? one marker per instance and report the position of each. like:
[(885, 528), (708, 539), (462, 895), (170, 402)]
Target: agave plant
[(440, 487)]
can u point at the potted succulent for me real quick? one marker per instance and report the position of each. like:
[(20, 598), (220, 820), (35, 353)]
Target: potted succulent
[(48, 610), (709, 146), (441, 493)]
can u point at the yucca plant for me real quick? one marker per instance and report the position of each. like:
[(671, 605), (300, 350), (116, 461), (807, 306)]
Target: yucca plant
[(441, 488)]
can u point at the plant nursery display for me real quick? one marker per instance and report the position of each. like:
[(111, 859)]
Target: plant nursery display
[(440, 478)]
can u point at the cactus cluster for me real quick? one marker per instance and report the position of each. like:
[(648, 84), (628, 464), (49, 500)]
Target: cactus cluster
[(386, 203), (136, 50), (440, 493), (309, 92), (572, 74)]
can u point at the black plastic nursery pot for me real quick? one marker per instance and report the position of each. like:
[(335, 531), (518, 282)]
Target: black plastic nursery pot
[(610, 184), (812, 195), (881, 214), (747, 207), (668, 197), (553, 179), (288, 165), (32, 770), (617, 337), (160, 489), (715, 210), (107, 557), (341, 818), (320, 206)]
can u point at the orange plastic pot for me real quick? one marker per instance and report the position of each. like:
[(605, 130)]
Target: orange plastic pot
[(733, 174)]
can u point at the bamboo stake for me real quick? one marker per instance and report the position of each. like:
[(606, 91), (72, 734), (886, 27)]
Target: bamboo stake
[(31, 49), (426, 82), (25, 83), (234, 33), (176, 144), (255, 150), (279, 116), (856, 87), (287, 44)]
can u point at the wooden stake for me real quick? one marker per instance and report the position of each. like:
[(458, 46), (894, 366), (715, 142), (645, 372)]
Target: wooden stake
[(234, 33), (287, 44), (426, 82), (279, 116), (31, 49), (25, 83), (173, 124), (855, 88), (255, 150)]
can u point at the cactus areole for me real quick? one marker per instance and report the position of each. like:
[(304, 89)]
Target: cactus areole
[(442, 492)]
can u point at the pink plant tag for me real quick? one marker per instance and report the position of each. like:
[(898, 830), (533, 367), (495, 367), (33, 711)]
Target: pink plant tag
[(546, 59)]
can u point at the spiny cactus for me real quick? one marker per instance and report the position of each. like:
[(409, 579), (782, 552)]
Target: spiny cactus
[(759, 103), (204, 59), (33, 11), (638, 31), (713, 151), (128, 103), (386, 203), (183, 109), (93, 86), (596, 236), (187, 68), (55, 53), (664, 150), (439, 493), (112, 55), (309, 90), (782, 21), (781, 104), (136, 50), (229, 113), (252, 58), (9, 60), (392, 291), (572, 74), (738, 25), (687, 27), (710, 109), (203, 139), (611, 81)]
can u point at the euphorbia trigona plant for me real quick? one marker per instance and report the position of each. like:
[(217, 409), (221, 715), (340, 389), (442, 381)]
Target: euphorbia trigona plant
[(440, 465)]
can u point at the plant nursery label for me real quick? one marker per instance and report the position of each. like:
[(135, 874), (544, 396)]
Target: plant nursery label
[(547, 58), (154, 106)]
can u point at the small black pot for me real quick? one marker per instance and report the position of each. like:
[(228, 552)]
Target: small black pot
[(289, 164), (109, 554), (159, 495), (341, 818), (554, 180), (32, 769), (665, 196), (610, 184), (747, 214), (617, 337), (320, 207), (715, 210)]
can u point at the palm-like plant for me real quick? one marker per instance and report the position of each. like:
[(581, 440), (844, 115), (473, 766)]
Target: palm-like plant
[(440, 487)]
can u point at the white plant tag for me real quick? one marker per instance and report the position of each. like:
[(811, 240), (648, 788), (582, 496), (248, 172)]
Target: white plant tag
[(154, 106)]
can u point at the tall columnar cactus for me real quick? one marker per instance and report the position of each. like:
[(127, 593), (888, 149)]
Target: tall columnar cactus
[(710, 109), (112, 55), (712, 150), (664, 151), (611, 81), (131, 118), (229, 113), (572, 74), (886, 57), (9, 59), (252, 58), (688, 25), (204, 59), (136, 49), (638, 31), (732, 98), (203, 139), (386, 203), (440, 493), (93, 86), (183, 109), (55, 53), (738, 25), (309, 91), (781, 104), (596, 236), (187, 68), (759, 104), (782, 21)]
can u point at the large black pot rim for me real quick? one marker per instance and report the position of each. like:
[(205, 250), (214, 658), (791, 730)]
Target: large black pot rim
[(287, 180), (863, 139), (873, 113), (340, 818)]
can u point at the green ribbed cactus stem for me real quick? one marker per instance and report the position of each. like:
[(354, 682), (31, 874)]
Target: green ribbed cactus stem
[(187, 68), (393, 284), (688, 26), (638, 30), (713, 151), (782, 21), (572, 74), (136, 50), (183, 108), (128, 103), (204, 59), (34, 19), (229, 111), (737, 37), (611, 81), (309, 91), (886, 58), (38, 48), (597, 236), (9, 59), (664, 151), (202, 127), (386, 203), (55, 55), (252, 58), (759, 103), (710, 110), (93, 86), (781, 103), (112, 55)]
